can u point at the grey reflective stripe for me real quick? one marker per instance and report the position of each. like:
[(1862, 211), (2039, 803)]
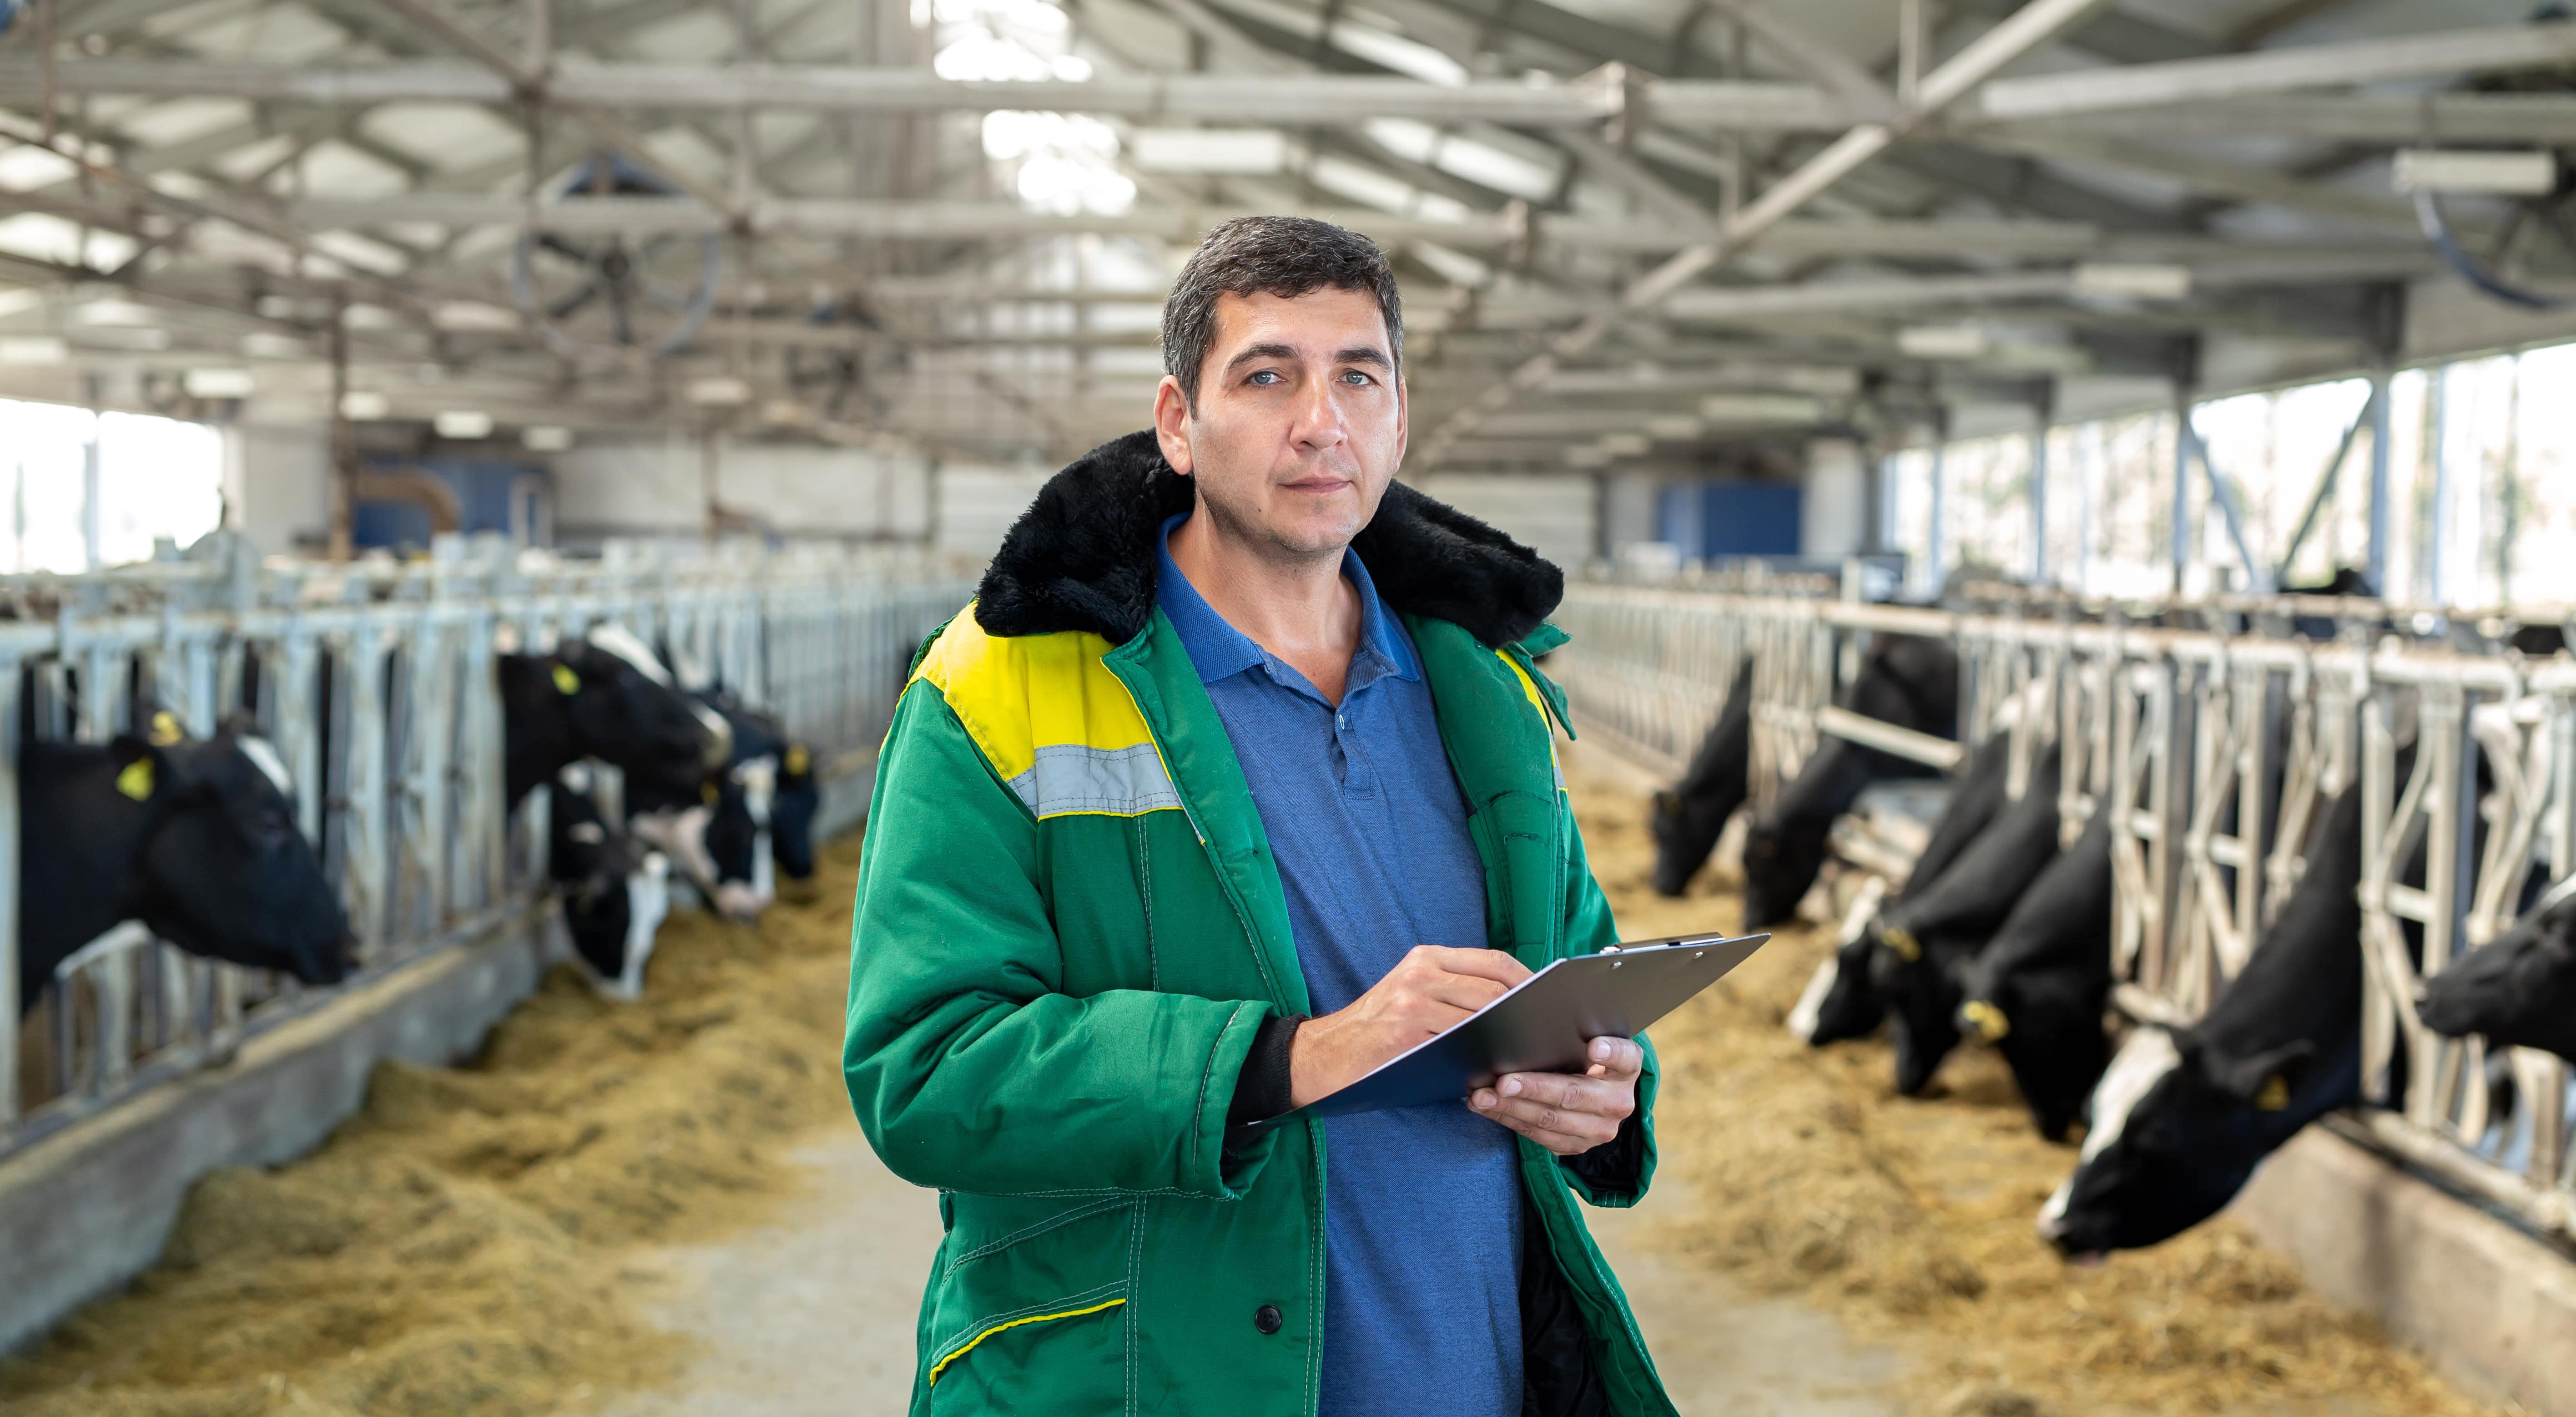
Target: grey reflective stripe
[(1069, 777)]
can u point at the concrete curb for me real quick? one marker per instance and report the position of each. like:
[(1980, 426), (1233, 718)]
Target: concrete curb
[(2491, 1308), (85, 1211)]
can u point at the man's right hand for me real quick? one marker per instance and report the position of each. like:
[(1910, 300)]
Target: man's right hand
[(1430, 991)]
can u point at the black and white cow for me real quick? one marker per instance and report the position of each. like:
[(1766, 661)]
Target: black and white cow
[(1841, 1000), (2037, 992), (194, 837), (588, 700), (793, 812), (2182, 1117), (1689, 818), (616, 891), (1908, 680), (1928, 938), (2518, 989)]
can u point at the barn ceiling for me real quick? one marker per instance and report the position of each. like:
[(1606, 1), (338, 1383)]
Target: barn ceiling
[(1625, 228)]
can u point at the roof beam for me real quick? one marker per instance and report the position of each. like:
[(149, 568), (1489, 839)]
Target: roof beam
[(2415, 56), (1957, 78)]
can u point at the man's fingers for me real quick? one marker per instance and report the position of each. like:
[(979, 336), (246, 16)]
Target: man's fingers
[(1620, 1058), (1603, 1097), (1495, 965), (1565, 1133)]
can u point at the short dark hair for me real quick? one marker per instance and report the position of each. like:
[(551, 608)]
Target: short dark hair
[(1286, 256)]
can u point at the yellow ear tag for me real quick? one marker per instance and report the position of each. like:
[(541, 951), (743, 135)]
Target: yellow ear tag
[(798, 759), (1901, 943), (707, 793), (1990, 1021), (566, 681), (136, 780), (2275, 1096), (165, 729)]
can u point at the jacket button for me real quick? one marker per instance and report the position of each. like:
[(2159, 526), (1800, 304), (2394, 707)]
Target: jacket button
[(1266, 1318)]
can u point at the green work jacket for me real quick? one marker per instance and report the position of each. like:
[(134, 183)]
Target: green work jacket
[(1069, 928)]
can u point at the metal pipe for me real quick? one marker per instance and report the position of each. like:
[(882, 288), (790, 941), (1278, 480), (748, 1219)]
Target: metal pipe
[(2181, 522), (2437, 550), (2382, 387), (2038, 486)]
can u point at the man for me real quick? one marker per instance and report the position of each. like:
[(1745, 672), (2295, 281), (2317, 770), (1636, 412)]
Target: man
[(1236, 782)]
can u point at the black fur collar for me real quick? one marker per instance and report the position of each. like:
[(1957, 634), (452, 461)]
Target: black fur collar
[(1082, 556)]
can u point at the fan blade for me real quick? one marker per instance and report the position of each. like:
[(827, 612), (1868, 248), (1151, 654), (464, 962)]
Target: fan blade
[(573, 302), (620, 318), (566, 248)]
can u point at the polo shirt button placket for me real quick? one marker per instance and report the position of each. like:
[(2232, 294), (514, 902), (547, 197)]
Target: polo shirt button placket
[(1267, 1319)]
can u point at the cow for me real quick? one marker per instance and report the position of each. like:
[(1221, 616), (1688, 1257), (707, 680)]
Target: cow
[(1688, 819), (586, 700), (615, 891), (2037, 992), (792, 814), (1927, 939), (1910, 681), (194, 837), (2183, 1116), (2519, 989), (1841, 1001)]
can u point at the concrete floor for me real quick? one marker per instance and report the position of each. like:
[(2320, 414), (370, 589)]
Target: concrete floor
[(813, 1316)]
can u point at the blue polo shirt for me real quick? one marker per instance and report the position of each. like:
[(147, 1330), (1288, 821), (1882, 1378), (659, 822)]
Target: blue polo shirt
[(1422, 1220)]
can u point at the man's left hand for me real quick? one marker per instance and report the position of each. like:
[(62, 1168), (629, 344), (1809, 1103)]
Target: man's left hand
[(1566, 1113)]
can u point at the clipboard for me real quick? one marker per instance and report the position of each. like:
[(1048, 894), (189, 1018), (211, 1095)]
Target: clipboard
[(1543, 1023)]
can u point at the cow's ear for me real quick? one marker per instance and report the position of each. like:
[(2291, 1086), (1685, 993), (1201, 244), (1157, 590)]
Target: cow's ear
[(566, 676), (2267, 1079), (142, 770)]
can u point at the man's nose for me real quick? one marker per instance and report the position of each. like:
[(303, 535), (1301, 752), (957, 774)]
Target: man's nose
[(1319, 419)]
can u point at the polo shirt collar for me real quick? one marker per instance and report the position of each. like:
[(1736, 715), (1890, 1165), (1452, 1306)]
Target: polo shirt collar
[(1219, 651)]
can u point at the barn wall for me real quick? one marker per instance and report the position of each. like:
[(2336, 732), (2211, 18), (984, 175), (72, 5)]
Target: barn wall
[(1552, 513), (979, 501), (277, 484), (2493, 1309), (657, 487)]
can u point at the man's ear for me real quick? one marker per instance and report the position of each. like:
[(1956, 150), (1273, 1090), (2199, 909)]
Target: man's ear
[(142, 771), (1172, 425)]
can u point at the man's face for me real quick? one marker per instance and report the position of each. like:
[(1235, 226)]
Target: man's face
[(1300, 420)]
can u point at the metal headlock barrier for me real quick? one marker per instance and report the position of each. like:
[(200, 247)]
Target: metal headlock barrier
[(2216, 752), (375, 684)]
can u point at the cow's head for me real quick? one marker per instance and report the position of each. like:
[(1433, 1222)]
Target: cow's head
[(224, 871), (1840, 1001), (1915, 982), (792, 812), (1780, 863), (2176, 1131), (619, 713), (2517, 989), (2051, 1037)]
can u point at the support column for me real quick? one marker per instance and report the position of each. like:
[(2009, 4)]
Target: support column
[(2038, 490), (1937, 547), (2181, 487), (2437, 588)]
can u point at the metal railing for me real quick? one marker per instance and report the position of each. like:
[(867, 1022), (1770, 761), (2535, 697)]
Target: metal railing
[(375, 683), (2215, 753)]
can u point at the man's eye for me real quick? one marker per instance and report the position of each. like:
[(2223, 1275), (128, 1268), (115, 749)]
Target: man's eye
[(1356, 376), (1264, 376)]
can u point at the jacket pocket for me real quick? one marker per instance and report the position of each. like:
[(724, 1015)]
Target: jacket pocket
[(1028, 1310)]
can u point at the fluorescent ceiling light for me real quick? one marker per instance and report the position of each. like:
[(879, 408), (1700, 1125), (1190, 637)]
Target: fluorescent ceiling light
[(463, 423), (216, 383), (263, 344), (2529, 173), (474, 316), (106, 313), (721, 391), (2126, 280), (1672, 427), (34, 349), (364, 405), (545, 438), (1943, 342), (1624, 445), (1241, 152), (1758, 408)]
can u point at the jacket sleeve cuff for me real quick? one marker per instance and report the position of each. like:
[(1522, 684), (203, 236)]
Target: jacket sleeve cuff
[(1261, 1089)]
